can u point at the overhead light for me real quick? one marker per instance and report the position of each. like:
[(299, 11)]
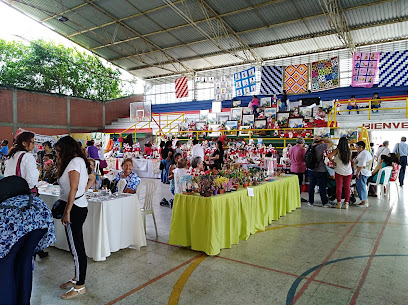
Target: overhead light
[(62, 19)]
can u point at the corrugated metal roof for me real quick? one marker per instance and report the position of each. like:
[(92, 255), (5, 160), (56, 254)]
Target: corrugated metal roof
[(272, 28)]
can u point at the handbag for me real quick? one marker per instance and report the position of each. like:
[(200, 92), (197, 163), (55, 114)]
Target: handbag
[(59, 206), (34, 190)]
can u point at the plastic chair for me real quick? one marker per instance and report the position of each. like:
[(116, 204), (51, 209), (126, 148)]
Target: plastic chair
[(150, 189), (380, 186), (395, 182)]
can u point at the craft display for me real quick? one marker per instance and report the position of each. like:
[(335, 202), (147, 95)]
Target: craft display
[(236, 103), (296, 78), (212, 118), (247, 110), (248, 120), (393, 64), (365, 67), (204, 114), (245, 82), (236, 114), (223, 87), (325, 74), (222, 118), (271, 79), (265, 102)]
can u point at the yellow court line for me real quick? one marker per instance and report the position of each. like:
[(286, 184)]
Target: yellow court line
[(328, 223), (178, 287)]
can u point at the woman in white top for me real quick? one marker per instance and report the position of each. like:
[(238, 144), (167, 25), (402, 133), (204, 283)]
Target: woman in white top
[(341, 157), (21, 154), (73, 171)]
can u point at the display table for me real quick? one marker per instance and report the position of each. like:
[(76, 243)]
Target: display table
[(112, 224), (210, 224)]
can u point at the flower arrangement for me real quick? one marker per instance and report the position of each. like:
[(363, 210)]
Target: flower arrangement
[(205, 185), (187, 184), (221, 182)]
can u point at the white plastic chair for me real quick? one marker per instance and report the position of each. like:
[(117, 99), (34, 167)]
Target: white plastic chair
[(150, 189), (380, 186), (396, 183)]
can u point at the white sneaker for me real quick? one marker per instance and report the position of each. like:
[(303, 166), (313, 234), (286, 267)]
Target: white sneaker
[(310, 204), (327, 205)]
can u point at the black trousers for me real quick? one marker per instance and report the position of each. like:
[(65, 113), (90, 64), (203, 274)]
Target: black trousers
[(75, 239), (403, 161), (16, 269)]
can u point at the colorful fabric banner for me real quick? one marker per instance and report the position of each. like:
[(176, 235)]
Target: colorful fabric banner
[(365, 67), (223, 87), (271, 80), (393, 69), (245, 82), (296, 78), (325, 74), (181, 87)]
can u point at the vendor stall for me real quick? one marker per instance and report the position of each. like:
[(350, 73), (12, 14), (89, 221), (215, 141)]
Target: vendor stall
[(210, 224), (113, 223)]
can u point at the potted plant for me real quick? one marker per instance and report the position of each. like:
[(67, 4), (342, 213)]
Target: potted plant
[(206, 185), (220, 183)]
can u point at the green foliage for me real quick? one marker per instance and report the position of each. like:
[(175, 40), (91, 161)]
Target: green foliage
[(44, 66)]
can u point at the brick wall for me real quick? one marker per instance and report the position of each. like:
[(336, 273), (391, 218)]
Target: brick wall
[(120, 108)]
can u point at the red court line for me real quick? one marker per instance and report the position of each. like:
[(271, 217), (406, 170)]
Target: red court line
[(282, 272), (331, 232), (153, 280), (303, 289), (356, 293)]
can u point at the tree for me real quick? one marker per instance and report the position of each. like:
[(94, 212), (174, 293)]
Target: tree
[(44, 66)]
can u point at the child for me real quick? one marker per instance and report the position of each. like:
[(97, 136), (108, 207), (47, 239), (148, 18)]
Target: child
[(92, 175), (179, 172)]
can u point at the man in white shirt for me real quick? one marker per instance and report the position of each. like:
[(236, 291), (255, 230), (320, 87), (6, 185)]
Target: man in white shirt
[(402, 149), (383, 150), (362, 172), (197, 150)]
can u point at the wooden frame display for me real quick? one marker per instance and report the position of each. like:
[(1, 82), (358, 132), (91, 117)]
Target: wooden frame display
[(243, 130), (236, 114), (270, 112), (248, 120), (204, 115), (236, 103), (306, 111), (247, 110), (265, 102), (295, 122), (212, 118), (282, 118), (231, 125), (222, 118)]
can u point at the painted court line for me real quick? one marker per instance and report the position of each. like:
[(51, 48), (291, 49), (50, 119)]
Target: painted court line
[(153, 280), (303, 289), (361, 283), (282, 272), (331, 232), (178, 287)]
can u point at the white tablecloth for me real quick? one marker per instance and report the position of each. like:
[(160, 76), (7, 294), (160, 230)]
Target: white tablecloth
[(110, 226), (147, 168)]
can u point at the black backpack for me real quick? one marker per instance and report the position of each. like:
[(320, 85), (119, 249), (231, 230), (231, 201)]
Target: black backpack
[(310, 157)]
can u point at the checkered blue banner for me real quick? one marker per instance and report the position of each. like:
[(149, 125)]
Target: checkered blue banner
[(271, 80), (393, 69)]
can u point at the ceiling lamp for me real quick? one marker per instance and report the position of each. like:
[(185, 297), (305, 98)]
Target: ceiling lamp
[(62, 19)]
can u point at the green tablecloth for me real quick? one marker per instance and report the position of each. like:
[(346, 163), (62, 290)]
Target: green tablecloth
[(210, 224)]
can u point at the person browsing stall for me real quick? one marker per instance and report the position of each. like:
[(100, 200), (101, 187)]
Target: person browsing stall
[(318, 175), (341, 158), (4, 148), (73, 170), (218, 156), (131, 178), (21, 162), (297, 162), (197, 150), (363, 162), (402, 149), (383, 150)]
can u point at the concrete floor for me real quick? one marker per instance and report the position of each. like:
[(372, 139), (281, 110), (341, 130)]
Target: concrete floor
[(311, 256)]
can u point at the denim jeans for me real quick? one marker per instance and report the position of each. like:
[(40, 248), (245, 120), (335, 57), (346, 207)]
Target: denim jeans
[(320, 179), (361, 185), (353, 107), (403, 160)]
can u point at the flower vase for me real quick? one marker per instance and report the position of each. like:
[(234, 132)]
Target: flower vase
[(221, 191), (215, 192)]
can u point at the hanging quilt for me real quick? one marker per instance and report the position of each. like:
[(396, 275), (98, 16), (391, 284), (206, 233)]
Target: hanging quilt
[(393, 69), (296, 78), (181, 87), (365, 67), (245, 82), (223, 87), (325, 74), (271, 80)]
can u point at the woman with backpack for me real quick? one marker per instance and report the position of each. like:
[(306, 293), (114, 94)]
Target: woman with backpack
[(341, 158)]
